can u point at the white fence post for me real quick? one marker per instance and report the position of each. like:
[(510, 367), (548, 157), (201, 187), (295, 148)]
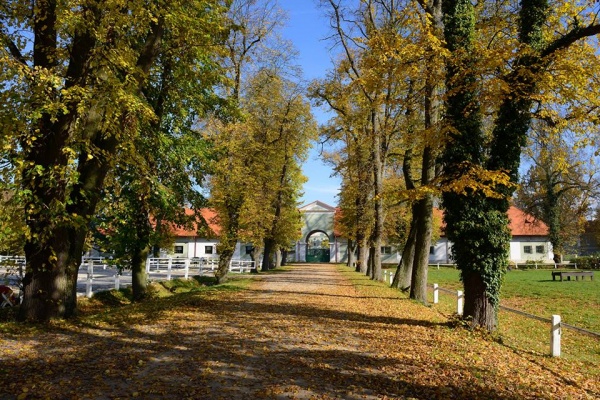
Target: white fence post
[(148, 265), (555, 337), (90, 277), (436, 293), (169, 266), (459, 302), (187, 268), (117, 280)]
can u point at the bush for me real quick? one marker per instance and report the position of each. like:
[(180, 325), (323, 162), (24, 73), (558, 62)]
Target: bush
[(588, 262)]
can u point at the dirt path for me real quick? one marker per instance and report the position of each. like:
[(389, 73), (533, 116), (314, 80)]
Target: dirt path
[(302, 334)]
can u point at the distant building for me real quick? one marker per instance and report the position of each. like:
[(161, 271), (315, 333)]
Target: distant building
[(529, 240), (321, 240)]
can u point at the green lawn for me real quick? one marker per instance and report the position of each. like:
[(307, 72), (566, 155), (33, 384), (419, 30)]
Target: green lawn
[(534, 291)]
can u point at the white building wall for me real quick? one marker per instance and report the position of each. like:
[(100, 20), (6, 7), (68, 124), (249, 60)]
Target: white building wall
[(199, 247), (441, 252), (519, 255)]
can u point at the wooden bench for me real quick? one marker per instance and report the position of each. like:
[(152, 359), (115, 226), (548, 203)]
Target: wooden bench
[(569, 274)]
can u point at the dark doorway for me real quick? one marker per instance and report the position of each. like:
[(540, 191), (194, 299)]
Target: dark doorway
[(317, 248)]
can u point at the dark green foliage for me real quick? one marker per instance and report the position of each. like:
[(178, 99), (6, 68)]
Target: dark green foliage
[(477, 224), (587, 262)]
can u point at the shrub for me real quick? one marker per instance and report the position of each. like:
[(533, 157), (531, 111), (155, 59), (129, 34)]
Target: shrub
[(588, 262)]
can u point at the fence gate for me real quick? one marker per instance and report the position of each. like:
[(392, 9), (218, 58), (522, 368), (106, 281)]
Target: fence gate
[(317, 255)]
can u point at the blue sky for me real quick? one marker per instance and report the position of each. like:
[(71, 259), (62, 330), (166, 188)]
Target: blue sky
[(306, 28)]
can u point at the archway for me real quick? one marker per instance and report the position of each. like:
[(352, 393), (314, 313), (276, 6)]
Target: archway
[(317, 247)]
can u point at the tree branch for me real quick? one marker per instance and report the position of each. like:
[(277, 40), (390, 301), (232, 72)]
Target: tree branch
[(571, 37), (12, 48)]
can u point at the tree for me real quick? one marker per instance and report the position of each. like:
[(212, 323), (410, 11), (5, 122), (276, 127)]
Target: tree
[(376, 42), (558, 187), (482, 170), (73, 85), (159, 175), (253, 49), (266, 149)]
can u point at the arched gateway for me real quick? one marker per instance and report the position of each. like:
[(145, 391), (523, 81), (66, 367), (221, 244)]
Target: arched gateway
[(319, 242)]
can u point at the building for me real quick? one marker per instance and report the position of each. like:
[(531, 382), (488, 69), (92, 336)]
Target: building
[(321, 241), (529, 240)]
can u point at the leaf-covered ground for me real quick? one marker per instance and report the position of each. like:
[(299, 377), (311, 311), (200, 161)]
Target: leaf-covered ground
[(307, 333)]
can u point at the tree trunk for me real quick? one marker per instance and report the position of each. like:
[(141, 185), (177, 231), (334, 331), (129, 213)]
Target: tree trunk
[(351, 262), (225, 249), (50, 279), (361, 254), (256, 256), (55, 248), (377, 234), (403, 276), (479, 309), (418, 289), (139, 278), (424, 208), (278, 258), (370, 263), (268, 254)]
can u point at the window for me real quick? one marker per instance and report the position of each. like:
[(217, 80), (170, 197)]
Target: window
[(386, 250), (208, 249), (539, 249), (249, 249), (178, 250), (431, 250), (527, 250)]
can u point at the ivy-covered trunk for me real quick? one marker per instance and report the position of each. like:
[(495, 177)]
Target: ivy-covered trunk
[(477, 231)]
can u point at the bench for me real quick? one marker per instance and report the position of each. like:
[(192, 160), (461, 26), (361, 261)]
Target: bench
[(569, 274)]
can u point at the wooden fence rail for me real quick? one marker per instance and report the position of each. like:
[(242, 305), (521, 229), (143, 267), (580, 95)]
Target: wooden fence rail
[(555, 322)]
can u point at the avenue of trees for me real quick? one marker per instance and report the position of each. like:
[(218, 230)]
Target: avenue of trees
[(107, 116), (115, 116), (437, 100)]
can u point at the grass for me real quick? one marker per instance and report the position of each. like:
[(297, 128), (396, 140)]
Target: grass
[(534, 292)]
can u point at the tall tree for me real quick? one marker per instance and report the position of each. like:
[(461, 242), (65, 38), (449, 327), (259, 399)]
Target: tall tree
[(253, 44), (559, 186), (160, 173), (75, 85), (375, 41), (484, 170)]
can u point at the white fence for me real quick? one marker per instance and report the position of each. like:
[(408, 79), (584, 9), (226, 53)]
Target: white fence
[(555, 321), (523, 265), (98, 273)]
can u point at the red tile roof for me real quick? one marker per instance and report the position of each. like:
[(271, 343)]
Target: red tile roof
[(523, 224), (199, 228), (520, 223)]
